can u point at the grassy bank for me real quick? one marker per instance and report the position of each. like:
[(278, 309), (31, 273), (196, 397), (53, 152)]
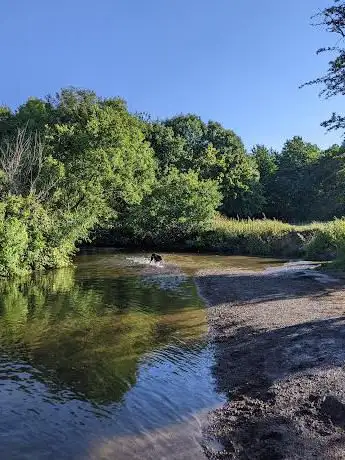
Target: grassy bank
[(258, 237), (318, 240)]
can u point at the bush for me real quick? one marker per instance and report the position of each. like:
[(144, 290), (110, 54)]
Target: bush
[(66, 164), (328, 241), (34, 238), (179, 206)]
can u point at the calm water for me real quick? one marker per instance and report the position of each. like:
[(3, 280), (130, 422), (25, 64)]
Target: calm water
[(107, 360)]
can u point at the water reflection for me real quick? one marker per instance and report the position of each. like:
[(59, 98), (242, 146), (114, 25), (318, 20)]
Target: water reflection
[(109, 349), (106, 360), (88, 333)]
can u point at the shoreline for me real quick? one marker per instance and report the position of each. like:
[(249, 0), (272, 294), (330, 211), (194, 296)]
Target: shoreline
[(279, 348)]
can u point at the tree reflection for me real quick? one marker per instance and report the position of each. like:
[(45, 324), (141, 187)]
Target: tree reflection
[(88, 334)]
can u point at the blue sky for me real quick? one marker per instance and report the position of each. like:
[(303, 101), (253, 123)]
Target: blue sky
[(236, 62)]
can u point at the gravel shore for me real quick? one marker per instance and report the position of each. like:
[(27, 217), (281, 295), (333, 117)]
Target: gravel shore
[(279, 340)]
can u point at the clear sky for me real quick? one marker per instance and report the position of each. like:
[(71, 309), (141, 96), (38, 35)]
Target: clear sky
[(233, 61)]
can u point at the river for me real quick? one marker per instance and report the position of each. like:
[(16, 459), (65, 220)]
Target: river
[(109, 359)]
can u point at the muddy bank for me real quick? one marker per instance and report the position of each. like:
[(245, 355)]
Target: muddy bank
[(279, 342)]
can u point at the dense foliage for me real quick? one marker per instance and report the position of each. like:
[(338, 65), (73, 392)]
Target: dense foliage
[(67, 164), (302, 183), (179, 206), (76, 166)]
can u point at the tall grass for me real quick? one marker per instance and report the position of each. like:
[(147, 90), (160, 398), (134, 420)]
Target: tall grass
[(328, 242), (258, 237), (262, 226), (317, 240), (250, 226)]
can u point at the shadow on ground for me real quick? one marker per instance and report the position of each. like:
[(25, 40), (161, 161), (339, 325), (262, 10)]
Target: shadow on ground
[(279, 344)]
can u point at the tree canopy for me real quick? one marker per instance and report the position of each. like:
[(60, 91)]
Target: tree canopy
[(213, 152), (76, 166)]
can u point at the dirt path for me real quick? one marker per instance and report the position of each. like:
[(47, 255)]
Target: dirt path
[(279, 342)]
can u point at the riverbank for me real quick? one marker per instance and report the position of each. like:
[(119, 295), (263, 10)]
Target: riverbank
[(265, 237), (279, 357)]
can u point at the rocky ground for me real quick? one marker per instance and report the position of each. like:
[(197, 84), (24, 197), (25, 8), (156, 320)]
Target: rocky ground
[(279, 341)]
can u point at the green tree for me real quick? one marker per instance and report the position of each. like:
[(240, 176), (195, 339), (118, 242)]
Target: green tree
[(266, 160), (75, 159), (294, 182), (102, 146), (35, 114), (216, 153), (179, 206), (107, 162), (332, 19), (6, 121), (328, 199), (169, 148)]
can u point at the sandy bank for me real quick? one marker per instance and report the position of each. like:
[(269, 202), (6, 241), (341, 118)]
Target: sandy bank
[(279, 342)]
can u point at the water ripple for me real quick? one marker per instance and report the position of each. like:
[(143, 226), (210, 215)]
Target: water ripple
[(110, 353)]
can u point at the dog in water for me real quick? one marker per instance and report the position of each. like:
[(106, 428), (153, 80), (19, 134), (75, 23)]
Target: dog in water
[(156, 258)]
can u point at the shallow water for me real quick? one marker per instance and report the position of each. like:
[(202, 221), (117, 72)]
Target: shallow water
[(108, 360)]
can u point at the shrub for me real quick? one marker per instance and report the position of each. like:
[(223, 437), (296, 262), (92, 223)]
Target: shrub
[(35, 238), (180, 205), (328, 241)]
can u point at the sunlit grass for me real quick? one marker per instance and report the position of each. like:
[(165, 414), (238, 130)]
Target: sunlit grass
[(263, 237), (261, 226)]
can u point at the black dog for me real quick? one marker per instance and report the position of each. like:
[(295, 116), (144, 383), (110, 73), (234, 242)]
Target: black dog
[(156, 258)]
